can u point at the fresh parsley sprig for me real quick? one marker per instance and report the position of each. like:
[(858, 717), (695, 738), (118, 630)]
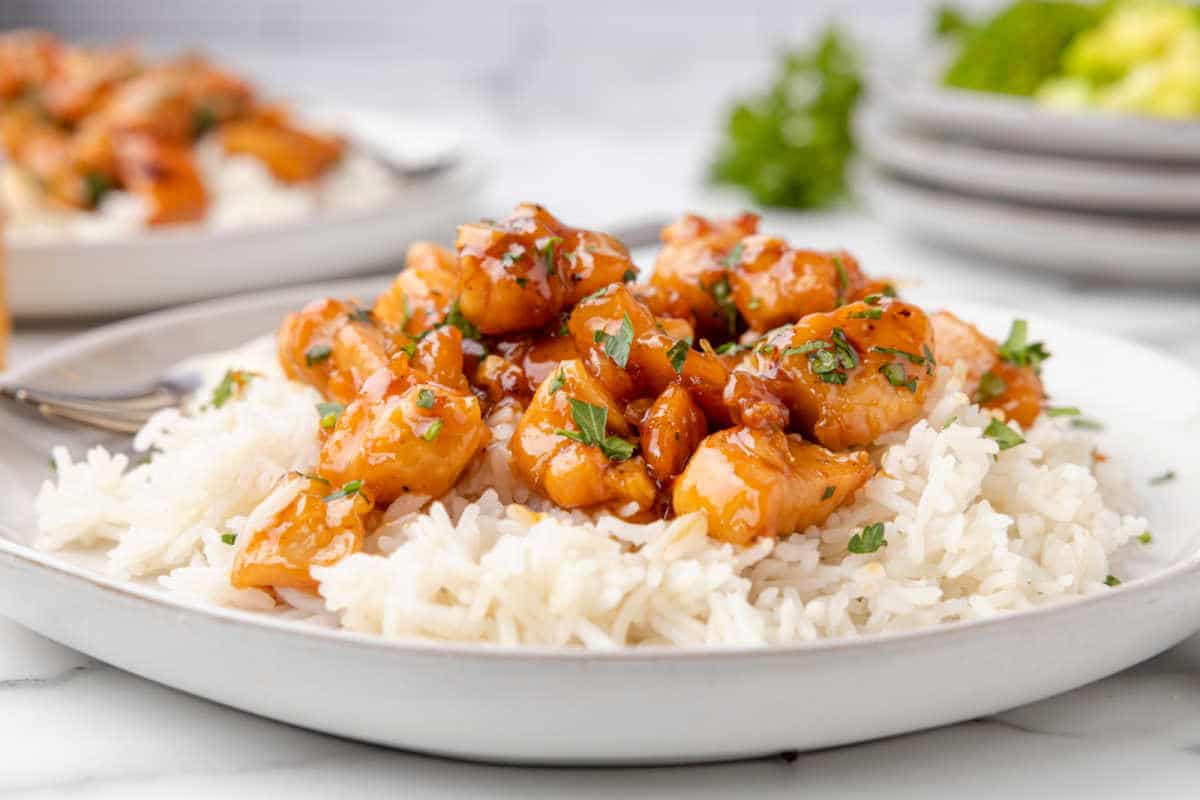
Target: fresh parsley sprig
[(593, 431)]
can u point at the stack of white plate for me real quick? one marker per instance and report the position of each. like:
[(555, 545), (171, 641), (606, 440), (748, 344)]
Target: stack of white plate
[(1102, 195)]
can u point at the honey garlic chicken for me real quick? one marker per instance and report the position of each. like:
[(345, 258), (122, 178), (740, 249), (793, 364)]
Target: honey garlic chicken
[(752, 404)]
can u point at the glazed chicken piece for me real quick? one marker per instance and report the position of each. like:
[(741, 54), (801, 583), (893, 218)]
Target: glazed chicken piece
[(404, 434), (27, 59), (775, 284), (518, 274), (423, 292), (852, 374), (589, 467), (520, 366), (305, 341), (439, 354), (670, 432), (694, 263), (291, 154), (164, 176), (316, 525), (752, 483), (83, 80), (991, 380), (643, 358)]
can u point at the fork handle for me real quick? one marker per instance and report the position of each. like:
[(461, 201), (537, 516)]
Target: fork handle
[(117, 413)]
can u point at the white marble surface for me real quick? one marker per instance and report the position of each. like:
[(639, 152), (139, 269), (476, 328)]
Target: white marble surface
[(70, 726)]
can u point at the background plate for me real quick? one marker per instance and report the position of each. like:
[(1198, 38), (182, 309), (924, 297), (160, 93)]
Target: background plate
[(1109, 247), (1047, 179), (165, 267), (659, 705)]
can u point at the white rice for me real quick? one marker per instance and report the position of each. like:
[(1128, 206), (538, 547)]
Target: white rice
[(242, 194), (971, 532)]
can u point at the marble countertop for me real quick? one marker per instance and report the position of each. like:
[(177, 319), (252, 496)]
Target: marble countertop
[(73, 726)]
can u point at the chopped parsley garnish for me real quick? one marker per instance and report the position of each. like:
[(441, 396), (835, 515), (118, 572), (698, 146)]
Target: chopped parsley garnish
[(808, 347), (95, 186), (316, 354), (868, 540), (1004, 436), (1086, 424), (617, 347), (870, 313), (754, 304), (563, 328), (1146, 538), (677, 355), (1019, 351), (828, 493), (601, 292), (234, 379), (829, 360), (557, 381), (229, 538), (843, 279), (722, 295), (316, 478), (522, 281), (766, 348), (1112, 580), (455, 317), (365, 315), (896, 376), (329, 413), (950, 422), (930, 363), (734, 256), (432, 431), (408, 348), (991, 386), (426, 398), (889, 290), (628, 276), (912, 358), (546, 251), (873, 299), (593, 428), (512, 255), (1063, 411), (348, 490), (730, 347), (204, 119), (1166, 477)]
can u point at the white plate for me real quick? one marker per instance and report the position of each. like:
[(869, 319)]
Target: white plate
[(1109, 247), (661, 705), (918, 98), (1086, 184), (170, 266)]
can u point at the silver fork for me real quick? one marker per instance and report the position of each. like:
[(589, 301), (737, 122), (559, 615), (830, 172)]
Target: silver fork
[(127, 411)]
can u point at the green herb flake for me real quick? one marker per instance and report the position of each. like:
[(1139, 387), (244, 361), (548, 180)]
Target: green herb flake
[(729, 347), (1146, 538), (593, 429), (557, 382), (365, 314), (329, 414), (1018, 350), (426, 398), (991, 386), (204, 119), (617, 346), (1084, 424), (348, 490), (1063, 411), (1112, 580), (722, 295), (734, 256), (546, 252), (432, 431), (868, 540), (870, 313), (228, 538), (1166, 477), (317, 353), (828, 493), (234, 379), (873, 299), (455, 318), (912, 358), (95, 186), (949, 422), (843, 279), (629, 276), (678, 352), (522, 281), (754, 304), (930, 363), (512, 255), (1003, 435), (897, 377)]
